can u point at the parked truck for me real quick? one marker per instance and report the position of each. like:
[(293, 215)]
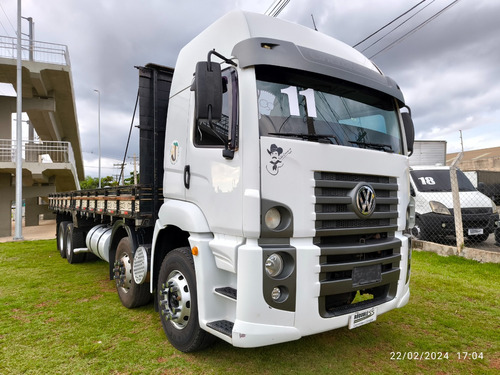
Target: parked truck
[(434, 206), (487, 182), (274, 190), (428, 152)]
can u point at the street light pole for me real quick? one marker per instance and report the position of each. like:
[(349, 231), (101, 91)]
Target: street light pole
[(99, 132), (19, 133)]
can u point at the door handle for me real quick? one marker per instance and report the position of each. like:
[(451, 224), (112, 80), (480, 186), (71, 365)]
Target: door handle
[(187, 176)]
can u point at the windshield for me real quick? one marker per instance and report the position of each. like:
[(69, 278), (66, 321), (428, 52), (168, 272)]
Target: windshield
[(314, 108), (439, 180)]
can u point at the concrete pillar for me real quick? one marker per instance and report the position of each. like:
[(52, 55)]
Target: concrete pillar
[(36, 204), (7, 195), (33, 211), (6, 117)]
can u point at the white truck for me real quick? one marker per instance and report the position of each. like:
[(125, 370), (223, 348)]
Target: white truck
[(428, 152), (487, 182), (282, 206), (434, 208)]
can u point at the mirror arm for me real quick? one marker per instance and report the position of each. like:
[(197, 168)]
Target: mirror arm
[(226, 60)]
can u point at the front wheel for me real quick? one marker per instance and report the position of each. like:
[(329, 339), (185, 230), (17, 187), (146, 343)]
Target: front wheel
[(131, 294), (177, 301)]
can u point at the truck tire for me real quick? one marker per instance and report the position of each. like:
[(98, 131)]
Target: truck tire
[(61, 237), (74, 240), (131, 294), (178, 304)]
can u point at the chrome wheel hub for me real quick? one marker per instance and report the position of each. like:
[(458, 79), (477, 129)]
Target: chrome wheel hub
[(123, 273), (176, 303)]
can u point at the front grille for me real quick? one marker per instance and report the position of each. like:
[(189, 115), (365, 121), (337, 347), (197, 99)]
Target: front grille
[(352, 245)]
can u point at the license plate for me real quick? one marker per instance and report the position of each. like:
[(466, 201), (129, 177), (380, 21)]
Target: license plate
[(362, 317), (475, 231), (366, 275)]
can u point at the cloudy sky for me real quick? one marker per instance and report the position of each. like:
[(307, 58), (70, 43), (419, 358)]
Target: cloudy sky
[(448, 68)]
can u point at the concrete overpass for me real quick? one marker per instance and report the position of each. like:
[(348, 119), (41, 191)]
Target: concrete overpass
[(53, 161)]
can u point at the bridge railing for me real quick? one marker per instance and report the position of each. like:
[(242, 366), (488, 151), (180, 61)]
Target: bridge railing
[(38, 151), (32, 50)]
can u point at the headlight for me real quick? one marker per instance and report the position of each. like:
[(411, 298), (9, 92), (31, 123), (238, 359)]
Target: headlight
[(272, 218), (274, 265), (439, 208)]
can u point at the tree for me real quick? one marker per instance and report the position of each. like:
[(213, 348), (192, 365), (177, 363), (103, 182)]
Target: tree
[(93, 182), (89, 183), (130, 180)]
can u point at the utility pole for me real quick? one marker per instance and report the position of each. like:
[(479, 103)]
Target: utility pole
[(135, 169), (461, 141), (120, 176), (19, 133)]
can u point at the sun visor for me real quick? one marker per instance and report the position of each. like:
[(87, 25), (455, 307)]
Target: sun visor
[(268, 51)]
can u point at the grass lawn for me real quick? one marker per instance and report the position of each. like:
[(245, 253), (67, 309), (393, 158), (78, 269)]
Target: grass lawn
[(57, 318)]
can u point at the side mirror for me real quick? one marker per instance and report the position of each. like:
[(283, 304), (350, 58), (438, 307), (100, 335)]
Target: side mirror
[(208, 92), (409, 131)]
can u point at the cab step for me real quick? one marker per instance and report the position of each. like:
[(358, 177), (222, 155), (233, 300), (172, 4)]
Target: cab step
[(227, 292), (222, 326)]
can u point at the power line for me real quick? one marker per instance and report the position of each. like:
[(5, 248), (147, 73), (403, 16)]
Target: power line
[(388, 24), (415, 29), (276, 8), (397, 27), (8, 19), (3, 27)]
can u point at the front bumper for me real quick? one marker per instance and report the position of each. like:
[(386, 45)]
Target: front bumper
[(258, 324), (432, 224)]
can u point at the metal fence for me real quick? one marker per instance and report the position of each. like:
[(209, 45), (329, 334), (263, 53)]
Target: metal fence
[(37, 151), (32, 50), (450, 210)]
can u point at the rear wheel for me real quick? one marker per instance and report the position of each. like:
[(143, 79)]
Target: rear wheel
[(61, 237), (131, 294), (74, 240), (178, 304)]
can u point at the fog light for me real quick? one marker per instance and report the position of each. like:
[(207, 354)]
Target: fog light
[(276, 293), (274, 264), (443, 225), (272, 218)]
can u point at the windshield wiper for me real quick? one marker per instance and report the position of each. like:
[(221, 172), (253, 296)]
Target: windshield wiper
[(321, 138), (375, 146)]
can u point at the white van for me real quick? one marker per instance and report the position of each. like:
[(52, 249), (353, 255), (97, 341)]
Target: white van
[(434, 216)]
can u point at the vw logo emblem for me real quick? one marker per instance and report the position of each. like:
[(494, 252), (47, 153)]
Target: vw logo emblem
[(365, 200)]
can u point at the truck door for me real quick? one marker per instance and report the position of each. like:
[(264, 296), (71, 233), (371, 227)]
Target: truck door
[(213, 181), (174, 163)]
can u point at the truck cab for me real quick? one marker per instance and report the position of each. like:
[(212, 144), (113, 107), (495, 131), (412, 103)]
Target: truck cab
[(286, 202), (274, 200)]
